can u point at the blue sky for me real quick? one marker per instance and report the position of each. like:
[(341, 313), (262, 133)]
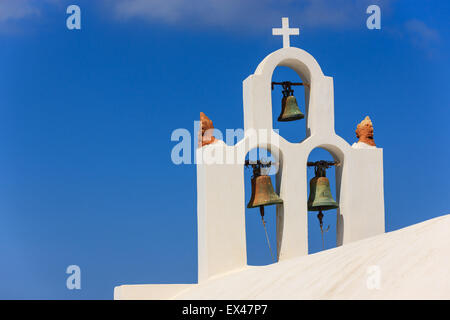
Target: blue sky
[(86, 118)]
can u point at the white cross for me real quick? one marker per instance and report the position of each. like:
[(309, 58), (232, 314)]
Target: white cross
[(285, 31)]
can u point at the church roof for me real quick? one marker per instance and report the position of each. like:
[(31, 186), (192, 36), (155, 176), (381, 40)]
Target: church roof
[(410, 263)]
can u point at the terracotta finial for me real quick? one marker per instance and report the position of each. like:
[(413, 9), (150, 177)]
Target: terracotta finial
[(205, 134), (364, 132)]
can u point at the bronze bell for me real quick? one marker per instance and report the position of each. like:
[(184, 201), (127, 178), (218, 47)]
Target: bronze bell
[(320, 198), (289, 109), (263, 193)]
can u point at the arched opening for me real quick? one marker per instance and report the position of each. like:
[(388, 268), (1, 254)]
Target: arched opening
[(261, 240), (319, 240), (292, 130)]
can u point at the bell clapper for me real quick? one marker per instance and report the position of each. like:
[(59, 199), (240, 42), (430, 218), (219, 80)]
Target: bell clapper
[(320, 217), (261, 211)]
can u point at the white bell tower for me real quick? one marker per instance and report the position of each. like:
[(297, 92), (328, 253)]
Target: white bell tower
[(220, 187), (220, 176)]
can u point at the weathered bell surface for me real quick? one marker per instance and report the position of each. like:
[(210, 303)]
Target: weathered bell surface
[(320, 197), (263, 193), (290, 110)]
